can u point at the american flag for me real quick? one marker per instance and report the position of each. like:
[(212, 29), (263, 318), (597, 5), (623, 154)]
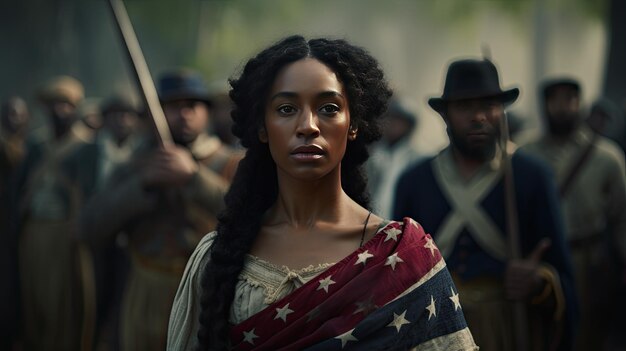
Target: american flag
[(391, 294)]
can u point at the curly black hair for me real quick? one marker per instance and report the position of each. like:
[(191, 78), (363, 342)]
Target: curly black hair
[(246, 202)]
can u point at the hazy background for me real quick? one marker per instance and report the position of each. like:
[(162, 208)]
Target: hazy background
[(414, 41)]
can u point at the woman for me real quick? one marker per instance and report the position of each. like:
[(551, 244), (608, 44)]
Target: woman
[(297, 260)]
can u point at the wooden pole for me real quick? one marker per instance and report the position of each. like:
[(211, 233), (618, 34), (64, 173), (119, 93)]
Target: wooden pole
[(520, 318), (141, 72)]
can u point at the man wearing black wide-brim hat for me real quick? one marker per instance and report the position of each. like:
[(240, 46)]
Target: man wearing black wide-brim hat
[(459, 196), (471, 97), (590, 172), (164, 200)]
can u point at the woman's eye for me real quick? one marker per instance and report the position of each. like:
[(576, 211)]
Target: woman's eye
[(286, 110), (329, 109)]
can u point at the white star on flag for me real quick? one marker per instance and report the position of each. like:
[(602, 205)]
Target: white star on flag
[(283, 312), (249, 336), (363, 257), (431, 308), (455, 299), (325, 283), (345, 337), (392, 260), (430, 244), (398, 321), (392, 233)]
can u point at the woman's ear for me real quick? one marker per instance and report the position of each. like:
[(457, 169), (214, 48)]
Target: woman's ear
[(263, 135), (352, 132)]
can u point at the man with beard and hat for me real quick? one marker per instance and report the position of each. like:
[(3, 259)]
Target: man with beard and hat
[(590, 173), (462, 195), (45, 210), (162, 202)]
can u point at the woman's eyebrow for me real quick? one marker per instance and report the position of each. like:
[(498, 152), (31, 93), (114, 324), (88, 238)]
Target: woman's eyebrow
[(284, 94), (290, 94), (330, 93)]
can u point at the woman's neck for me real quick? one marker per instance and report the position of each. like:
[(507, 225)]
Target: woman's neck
[(302, 204)]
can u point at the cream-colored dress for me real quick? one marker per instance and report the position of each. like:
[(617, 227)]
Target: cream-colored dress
[(260, 284)]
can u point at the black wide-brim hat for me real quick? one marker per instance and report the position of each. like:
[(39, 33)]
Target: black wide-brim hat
[(183, 85), (472, 79)]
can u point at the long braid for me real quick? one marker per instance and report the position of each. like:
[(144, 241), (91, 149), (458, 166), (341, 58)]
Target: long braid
[(254, 189), (237, 234)]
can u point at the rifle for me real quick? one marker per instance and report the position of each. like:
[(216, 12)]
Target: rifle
[(163, 136), (141, 72), (520, 317)]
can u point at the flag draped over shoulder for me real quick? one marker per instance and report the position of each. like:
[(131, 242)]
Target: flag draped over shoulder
[(393, 293)]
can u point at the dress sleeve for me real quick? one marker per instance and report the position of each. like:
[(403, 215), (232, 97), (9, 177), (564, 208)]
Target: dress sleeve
[(184, 323)]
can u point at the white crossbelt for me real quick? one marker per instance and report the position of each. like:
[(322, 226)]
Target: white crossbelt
[(466, 212)]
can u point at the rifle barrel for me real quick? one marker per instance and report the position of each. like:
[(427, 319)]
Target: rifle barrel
[(142, 74), (520, 317)]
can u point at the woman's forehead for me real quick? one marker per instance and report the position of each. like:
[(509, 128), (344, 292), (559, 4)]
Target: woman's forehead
[(304, 76)]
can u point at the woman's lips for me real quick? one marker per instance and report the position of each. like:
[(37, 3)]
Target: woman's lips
[(307, 152), (306, 157)]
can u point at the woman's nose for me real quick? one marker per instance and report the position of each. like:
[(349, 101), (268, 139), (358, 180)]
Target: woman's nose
[(307, 124)]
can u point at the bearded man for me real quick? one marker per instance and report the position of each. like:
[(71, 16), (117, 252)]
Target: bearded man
[(589, 170), (459, 196)]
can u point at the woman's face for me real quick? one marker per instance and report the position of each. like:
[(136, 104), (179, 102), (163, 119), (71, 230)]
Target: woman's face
[(307, 120)]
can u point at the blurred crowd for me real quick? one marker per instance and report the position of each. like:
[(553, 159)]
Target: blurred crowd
[(97, 221)]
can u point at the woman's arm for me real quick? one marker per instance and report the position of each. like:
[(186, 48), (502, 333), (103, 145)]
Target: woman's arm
[(184, 318)]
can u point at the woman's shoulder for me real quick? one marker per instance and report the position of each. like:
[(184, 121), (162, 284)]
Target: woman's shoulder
[(206, 242), (200, 255), (183, 324), (198, 258)]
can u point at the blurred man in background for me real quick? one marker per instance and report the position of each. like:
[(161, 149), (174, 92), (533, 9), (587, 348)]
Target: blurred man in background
[(14, 119), (164, 200), (607, 119), (104, 267), (112, 146), (391, 156), (460, 196), (591, 176), (90, 114), (48, 204), (221, 122)]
